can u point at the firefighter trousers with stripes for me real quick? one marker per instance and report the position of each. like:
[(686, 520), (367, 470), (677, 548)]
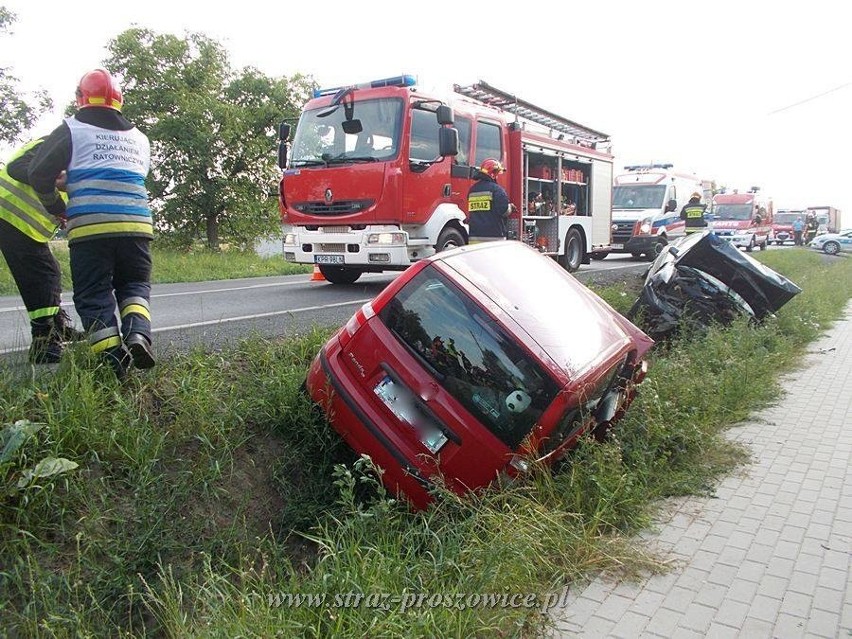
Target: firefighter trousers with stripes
[(112, 275), (36, 273)]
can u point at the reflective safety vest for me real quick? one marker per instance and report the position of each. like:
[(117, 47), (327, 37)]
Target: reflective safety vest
[(695, 217), (20, 206), (106, 182)]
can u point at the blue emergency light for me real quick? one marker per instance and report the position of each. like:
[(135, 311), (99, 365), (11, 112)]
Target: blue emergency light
[(396, 81)]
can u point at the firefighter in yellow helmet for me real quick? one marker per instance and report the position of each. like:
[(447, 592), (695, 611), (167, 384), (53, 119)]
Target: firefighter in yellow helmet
[(109, 221), (693, 214), (26, 227)]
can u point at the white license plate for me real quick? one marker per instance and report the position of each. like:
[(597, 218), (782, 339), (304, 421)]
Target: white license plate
[(617, 246), (328, 259)]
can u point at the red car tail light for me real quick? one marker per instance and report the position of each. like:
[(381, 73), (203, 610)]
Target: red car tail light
[(361, 317)]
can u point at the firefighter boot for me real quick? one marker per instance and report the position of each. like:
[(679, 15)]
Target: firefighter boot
[(46, 348), (118, 359), (140, 349), (65, 330)]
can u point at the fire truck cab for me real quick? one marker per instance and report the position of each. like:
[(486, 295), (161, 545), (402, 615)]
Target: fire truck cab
[(744, 219), (377, 174)]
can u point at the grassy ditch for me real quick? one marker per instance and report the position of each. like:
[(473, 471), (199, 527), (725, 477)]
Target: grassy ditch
[(196, 265), (210, 500)]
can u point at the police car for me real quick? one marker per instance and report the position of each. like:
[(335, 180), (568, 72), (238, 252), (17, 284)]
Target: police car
[(833, 243)]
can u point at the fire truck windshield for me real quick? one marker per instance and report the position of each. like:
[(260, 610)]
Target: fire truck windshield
[(788, 218), (733, 211), (638, 196), (320, 137)]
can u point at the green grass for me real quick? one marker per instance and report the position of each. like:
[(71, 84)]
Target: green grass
[(209, 490), (196, 265)]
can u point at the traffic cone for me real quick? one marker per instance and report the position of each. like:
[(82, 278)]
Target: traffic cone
[(317, 275)]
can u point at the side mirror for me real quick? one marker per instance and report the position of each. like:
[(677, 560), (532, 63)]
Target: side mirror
[(671, 206), (448, 142), (445, 115), (282, 155), (284, 132)]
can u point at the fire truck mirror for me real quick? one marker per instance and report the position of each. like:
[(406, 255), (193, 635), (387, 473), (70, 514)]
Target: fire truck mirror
[(282, 155), (352, 127), (671, 206), (448, 141), (445, 115), (284, 132)]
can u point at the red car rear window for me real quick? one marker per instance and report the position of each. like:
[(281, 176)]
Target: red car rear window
[(474, 358)]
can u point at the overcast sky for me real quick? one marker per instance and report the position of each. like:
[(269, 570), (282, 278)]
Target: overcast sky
[(747, 93)]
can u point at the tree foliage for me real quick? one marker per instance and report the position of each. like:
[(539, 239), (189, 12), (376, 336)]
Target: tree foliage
[(213, 134), (18, 111)]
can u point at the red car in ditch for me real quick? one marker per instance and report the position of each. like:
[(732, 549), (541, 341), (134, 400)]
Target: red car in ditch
[(474, 362)]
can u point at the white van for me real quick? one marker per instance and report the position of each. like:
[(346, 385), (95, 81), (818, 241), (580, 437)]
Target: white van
[(646, 204)]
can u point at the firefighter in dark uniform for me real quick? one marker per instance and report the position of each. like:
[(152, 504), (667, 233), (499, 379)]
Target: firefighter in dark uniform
[(26, 227), (488, 205), (693, 213), (109, 221)]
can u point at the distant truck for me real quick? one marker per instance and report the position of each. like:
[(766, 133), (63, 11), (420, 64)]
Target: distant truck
[(743, 219), (646, 204), (827, 217)]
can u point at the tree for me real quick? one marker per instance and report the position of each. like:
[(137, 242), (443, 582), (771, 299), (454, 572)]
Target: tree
[(213, 134), (18, 111)]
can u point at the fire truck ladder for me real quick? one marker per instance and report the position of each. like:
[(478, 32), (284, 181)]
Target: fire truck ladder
[(486, 94)]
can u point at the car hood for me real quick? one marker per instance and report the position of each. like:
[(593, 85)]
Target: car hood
[(565, 322), (763, 289)]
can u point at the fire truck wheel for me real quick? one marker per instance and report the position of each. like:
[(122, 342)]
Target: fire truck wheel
[(339, 274), (573, 255), (449, 238)]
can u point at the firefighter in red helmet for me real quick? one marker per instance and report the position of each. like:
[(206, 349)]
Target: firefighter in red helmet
[(488, 205), (106, 159)]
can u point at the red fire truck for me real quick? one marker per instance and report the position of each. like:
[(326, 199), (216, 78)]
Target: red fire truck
[(377, 174), (744, 219)]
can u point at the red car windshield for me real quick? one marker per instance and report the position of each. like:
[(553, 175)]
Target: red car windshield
[(475, 359)]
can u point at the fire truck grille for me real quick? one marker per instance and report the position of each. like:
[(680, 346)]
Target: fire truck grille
[(331, 248), (341, 207), (335, 229)]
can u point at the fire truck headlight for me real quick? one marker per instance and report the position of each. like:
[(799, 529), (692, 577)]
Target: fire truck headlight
[(386, 239), (289, 239)]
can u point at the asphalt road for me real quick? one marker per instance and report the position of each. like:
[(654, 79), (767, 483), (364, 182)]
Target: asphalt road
[(214, 314)]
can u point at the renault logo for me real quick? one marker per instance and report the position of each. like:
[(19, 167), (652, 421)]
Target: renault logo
[(615, 227), (329, 196)]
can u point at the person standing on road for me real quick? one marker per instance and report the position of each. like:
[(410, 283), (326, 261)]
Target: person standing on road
[(26, 227), (488, 205), (109, 222), (693, 214), (798, 229)]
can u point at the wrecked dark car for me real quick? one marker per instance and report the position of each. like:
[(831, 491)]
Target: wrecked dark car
[(702, 279), (474, 362)]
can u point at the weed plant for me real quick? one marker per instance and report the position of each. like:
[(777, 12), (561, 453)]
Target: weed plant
[(210, 499)]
